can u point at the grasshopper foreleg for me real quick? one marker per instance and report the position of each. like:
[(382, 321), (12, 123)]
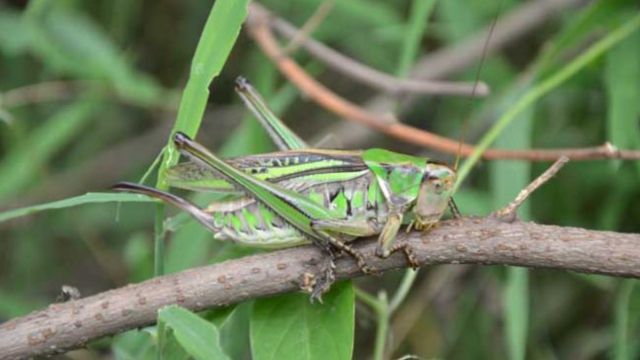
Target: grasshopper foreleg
[(387, 244)]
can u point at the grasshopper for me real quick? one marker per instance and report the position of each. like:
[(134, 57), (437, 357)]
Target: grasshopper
[(301, 195)]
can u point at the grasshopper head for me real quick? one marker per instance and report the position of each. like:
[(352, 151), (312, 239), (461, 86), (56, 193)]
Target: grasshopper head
[(435, 191)]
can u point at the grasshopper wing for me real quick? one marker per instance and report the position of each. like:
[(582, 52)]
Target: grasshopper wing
[(293, 170)]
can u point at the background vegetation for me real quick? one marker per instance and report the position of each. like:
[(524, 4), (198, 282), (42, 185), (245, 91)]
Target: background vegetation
[(90, 91)]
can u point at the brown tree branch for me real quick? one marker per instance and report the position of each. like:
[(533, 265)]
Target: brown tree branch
[(258, 28), (72, 324)]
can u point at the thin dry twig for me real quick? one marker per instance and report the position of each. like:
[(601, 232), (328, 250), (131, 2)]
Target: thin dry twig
[(64, 326), (387, 124), (535, 14), (61, 90), (42, 92), (510, 27), (508, 213), (363, 73), (304, 34)]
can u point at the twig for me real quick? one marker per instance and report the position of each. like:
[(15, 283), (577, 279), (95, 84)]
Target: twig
[(60, 90), (387, 124), (41, 92), (304, 34), (363, 73), (542, 11), (508, 213), (64, 326), (510, 27)]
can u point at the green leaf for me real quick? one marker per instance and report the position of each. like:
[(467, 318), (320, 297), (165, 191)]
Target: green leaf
[(198, 337), (133, 345), (89, 198), (290, 327), (219, 35)]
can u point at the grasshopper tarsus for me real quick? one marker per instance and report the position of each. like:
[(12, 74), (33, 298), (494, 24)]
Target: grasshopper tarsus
[(409, 254), (406, 249)]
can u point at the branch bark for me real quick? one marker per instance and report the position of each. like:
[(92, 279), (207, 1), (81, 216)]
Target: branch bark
[(72, 324)]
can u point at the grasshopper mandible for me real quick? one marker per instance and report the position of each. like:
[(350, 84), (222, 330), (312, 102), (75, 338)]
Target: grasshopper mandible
[(301, 195)]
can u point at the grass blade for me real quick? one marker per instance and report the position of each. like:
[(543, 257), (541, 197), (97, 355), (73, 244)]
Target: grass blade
[(89, 198), (219, 35), (507, 179), (622, 64), (420, 11)]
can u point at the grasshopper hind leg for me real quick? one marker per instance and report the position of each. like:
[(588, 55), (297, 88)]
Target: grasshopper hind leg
[(192, 209)]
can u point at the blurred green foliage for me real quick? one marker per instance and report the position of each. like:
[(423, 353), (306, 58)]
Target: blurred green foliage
[(89, 91)]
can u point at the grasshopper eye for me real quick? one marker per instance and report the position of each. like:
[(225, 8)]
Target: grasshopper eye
[(437, 186)]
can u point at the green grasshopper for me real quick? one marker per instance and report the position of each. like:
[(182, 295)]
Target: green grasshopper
[(301, 195)]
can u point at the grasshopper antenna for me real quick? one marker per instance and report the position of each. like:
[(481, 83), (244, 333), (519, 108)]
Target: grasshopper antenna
[(485, 48), (192, 209)]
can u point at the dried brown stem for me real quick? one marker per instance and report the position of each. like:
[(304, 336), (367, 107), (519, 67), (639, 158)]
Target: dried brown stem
[(510, 27), (41, 92), (304, 33), (363, 73), (508, 213), (64, 326), (387, 124)]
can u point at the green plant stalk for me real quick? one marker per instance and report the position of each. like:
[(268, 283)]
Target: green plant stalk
[(594, 52), (218, 36), (623, 295), (420, 11), (507, 179), (408, 279), (88, 198), (383, 326)]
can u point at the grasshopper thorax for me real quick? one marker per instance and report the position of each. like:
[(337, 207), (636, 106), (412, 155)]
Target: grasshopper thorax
[(433, 197)]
